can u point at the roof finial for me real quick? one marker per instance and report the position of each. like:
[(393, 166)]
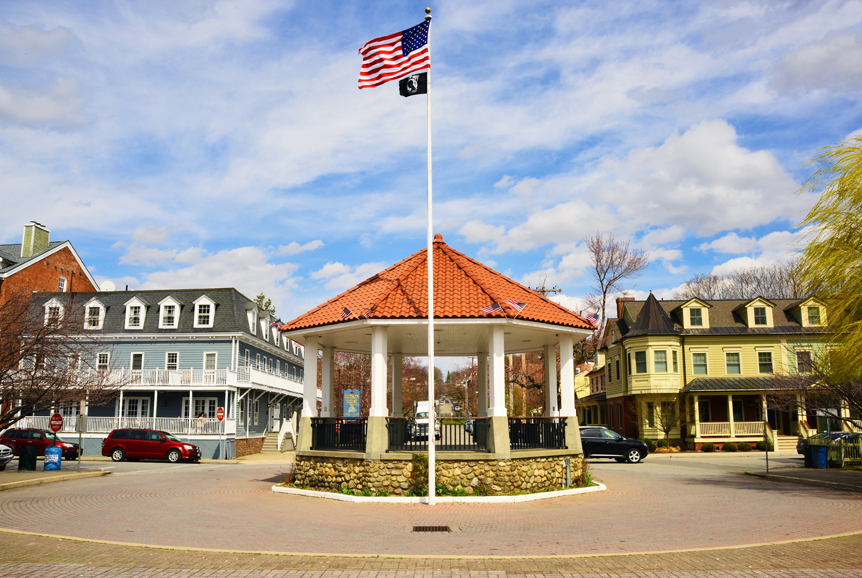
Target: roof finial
[(438, 238)]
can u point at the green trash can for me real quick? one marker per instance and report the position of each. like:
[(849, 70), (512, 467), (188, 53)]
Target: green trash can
[(27, 459)]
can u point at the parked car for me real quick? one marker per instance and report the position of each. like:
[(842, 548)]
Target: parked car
[(600, 442), (6, 455), (39, 438), (148, 444), (803, 443)]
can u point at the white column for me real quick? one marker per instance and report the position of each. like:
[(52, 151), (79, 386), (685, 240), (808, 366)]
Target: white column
[(327, 375), (696, 416), (309, 384), (497, 371), (155, 406), (551, 409), (397, 385), (190, 413), (567, 377), (730, 414), (482, 378), (378, 372)]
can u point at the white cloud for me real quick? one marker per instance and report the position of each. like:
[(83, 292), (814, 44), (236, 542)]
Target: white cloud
[(294, 248), (58, 106), (150, 234), (146, 256), (833, 64), (30, 45), (339, 276), (775, 242)]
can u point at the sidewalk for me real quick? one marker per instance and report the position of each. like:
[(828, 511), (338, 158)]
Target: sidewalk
[(838, 479), (11, 477)]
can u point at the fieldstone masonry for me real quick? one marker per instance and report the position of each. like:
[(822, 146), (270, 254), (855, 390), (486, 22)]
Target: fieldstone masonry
[(510, 476)]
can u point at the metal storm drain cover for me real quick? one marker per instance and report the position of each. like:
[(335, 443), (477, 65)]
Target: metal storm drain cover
[(431, 529)]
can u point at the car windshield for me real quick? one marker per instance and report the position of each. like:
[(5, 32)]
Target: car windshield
[(422, 414), (170, 437), (51, 435)]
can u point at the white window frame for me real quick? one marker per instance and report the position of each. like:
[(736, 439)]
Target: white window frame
[(211, 402), (132, 360), (176, 363), (754, 322), (655, 360), (264, 328), (204, 300), (704, 353), (94, 304), (123, 409), (691, 317), (736, 352), (253, 321), (646, 362), (51, 305), (808, 309), (256, 412), (135, 302), (810, 352), (215, 360), (107, 364), (62, 285), (257, 360), (771, 362), (247, 358), (169, 302)]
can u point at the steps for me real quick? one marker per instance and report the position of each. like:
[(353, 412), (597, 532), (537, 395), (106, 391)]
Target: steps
[(785, 443), (270, 444)]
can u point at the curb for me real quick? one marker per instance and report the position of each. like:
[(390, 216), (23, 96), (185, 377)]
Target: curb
[(52, 479), (597, 487), (806, 482)]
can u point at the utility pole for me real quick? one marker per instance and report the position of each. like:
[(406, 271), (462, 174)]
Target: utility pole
[(543, 291)]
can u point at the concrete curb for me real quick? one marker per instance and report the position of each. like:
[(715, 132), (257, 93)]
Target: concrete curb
[(806, 482), (598, 487), (719, 455), (52, 479)]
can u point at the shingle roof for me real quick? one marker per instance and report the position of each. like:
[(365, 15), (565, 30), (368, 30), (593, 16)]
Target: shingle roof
[(652, 320), (462, 287), (12, 254), (601, 396), (730, 384)]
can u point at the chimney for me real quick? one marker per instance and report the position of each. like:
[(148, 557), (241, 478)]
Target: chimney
[(620, 302), (36, 238)]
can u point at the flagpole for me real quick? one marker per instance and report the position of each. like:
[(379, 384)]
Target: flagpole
[(432, 417)]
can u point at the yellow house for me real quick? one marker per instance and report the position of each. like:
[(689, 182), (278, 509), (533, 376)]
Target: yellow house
[(705, 368)]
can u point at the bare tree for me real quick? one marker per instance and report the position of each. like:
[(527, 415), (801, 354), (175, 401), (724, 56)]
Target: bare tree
[(668, 416), (781, 280), (45, 363), (613, 263)]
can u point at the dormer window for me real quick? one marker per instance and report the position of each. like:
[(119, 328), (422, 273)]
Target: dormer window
[(94, 315), (135, 316), (169, 313), (760, 315), (263, 328), (814, 316), (696, 317), (254, 321), (136, 313), (53, 313), (204, 311)]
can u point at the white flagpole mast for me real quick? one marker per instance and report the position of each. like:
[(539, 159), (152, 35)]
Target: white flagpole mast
[(432, 417)]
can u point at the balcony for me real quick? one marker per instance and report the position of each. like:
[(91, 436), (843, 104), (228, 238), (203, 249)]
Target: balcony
[(279, 382), (172, 425)]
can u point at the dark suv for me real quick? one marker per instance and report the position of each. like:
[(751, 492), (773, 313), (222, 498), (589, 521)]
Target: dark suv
[(38, 438), (600, 442), (148, 444)]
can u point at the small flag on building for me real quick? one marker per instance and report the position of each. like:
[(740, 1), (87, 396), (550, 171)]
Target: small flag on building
[(395, 56), (592, 317), (414, 84), (492, 308), (275, 323), (346, 313), (368, 313), (517, 305)]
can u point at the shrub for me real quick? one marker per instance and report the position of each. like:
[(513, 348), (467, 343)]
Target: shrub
[(661, 443), (744, 447), (709, 447), (729, 447), (650, 444), (483, 490), (586, 478), (761, 446)]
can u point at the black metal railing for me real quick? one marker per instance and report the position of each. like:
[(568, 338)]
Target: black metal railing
[(528, 433), (465, 435), (330, 433)]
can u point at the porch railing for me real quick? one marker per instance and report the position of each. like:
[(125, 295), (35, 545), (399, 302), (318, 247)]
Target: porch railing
[(329, 433), (748, 428), (173, 425), (527, 433), (455, 435), (722, 428)]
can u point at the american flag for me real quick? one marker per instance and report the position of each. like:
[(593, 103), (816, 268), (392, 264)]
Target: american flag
[(275, 323), (517, 305), (391, 57), (368, 313), (346, 313), (492, 308), (592, 317)]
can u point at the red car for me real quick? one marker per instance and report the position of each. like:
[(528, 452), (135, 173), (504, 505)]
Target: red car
[(148, 444), (40, 438)]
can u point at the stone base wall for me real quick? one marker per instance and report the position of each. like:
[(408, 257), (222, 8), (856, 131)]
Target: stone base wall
[(247, 447), (394, 477)]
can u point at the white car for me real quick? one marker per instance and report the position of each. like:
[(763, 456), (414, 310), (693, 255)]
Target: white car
[(6, 455)]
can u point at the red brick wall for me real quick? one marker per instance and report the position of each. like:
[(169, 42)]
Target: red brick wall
[(247, 447), (44, 275)]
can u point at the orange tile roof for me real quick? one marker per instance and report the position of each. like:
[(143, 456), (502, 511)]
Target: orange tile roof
[(462, 287)]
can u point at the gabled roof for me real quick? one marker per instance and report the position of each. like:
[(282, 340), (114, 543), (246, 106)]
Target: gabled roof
[(462, 287), (758, 298), (12, 253), (652, 320)]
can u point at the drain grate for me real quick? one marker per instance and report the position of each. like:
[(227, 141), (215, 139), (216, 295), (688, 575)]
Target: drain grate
[(432, 529)]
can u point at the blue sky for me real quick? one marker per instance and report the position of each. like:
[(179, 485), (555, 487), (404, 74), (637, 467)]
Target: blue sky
[(209, 143)]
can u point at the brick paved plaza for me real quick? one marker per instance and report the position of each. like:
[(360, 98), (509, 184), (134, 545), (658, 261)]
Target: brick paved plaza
[(669, 506)]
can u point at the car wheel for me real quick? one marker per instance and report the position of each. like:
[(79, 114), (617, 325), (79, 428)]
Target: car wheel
[(633, 456), (118, 454), (174, 456), (2, 467)]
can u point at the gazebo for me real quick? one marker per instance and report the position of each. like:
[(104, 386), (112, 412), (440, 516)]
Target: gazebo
[(477, 312)]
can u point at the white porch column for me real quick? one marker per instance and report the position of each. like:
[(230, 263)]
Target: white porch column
[(696, 417), (730, 414), (309, 383), (155, 406), (190, 412), (397, 385), (551, 409), (567, 377), (378, 372), (482, 378), (496, 345), (327, 378)]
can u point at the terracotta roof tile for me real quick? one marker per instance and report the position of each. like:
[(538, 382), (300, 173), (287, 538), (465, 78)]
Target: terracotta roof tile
[(462, 287)]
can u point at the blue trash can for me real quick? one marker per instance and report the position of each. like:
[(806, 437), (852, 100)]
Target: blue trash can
[(820, 456), (53, 458)]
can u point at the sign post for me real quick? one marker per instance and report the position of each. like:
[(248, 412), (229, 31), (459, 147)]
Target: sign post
[(220, 417)]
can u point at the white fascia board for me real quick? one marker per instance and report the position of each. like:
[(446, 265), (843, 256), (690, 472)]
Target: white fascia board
[(61, 246)]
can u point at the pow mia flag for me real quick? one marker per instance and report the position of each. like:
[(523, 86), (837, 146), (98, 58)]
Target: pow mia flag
[(413, 84)]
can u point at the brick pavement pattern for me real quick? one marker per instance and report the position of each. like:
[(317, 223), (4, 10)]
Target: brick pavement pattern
[(26, 556), (652, 507)]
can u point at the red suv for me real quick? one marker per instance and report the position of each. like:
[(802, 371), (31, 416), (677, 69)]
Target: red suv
[(148, 443), (40, 439)]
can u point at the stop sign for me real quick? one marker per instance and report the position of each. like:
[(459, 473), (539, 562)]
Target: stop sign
[(220, 413), (56, 422)]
